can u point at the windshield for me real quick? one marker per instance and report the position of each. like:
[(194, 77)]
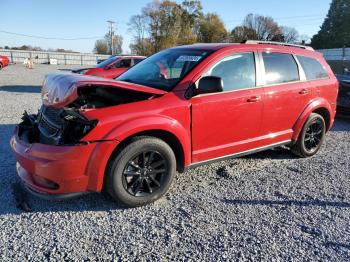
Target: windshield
[(164, 69), (106, 62)]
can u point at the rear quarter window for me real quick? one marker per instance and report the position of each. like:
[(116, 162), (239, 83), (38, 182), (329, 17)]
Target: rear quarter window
[(312, 68)]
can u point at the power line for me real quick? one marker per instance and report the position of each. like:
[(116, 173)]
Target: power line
[(50, 38)]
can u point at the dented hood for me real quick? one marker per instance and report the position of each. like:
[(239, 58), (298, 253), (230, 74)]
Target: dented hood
[(59, 89)]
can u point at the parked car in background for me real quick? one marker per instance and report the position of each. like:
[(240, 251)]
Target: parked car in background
[(180, 108), (104, 59), (4, 61), (343, 101), (112, 67)]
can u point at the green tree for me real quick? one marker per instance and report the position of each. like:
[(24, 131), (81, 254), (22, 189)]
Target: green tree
[(335, 30), (212, 29), (190, 17), (164, 24)]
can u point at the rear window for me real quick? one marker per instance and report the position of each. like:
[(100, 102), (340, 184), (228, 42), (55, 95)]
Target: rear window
[(312, 68), (125, 63), (280, 68)]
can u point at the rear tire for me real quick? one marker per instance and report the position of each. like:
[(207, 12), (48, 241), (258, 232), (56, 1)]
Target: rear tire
[(141, 172), (1, 66), (311, 136)]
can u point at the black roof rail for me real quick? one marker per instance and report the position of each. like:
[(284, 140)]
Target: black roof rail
[(277, 43)]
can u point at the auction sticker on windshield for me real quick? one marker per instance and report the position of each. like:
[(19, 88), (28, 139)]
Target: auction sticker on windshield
[(188, 58)]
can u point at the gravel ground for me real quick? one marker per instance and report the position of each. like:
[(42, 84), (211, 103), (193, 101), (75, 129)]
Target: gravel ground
[(270, 206)]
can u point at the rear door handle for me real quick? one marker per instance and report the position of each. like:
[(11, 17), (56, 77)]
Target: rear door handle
[(303, 91), (253, 99)]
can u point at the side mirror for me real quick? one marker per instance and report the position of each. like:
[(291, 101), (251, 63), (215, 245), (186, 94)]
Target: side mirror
[(209, 84)]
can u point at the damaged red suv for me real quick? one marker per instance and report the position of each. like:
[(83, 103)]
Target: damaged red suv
[(179, 108)]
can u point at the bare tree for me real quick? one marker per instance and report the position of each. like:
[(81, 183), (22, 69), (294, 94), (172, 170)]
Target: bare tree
[(304, 39), (290, 34), (104, 46), (138, 25), (101, 47), (264, 26), (241, 33), (258, 27)]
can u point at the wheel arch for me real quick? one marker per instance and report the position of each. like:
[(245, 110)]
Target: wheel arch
[(169, 130), (320, 106), (325, 114), (168, 137)]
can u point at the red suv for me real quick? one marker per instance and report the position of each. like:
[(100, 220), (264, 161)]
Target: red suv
[(4, 61), (179, 108), (112, 67)]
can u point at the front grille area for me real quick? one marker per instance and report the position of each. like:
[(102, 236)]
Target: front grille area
[(51, 124), (62, 126), (53, 115), (46, 128)]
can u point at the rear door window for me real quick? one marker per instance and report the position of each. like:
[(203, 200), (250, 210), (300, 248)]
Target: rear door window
[(312, 68), (280, 68)]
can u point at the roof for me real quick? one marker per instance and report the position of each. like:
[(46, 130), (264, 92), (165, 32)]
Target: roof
[(217, 46), (208, 46)]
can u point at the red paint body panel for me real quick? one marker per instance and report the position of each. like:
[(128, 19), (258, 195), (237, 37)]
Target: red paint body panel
[(169, 113), (64, 165), (4, 61), (206, 126)]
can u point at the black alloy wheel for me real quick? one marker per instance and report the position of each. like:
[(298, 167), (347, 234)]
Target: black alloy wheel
[(140, 172), (144, 174), (313, 135)]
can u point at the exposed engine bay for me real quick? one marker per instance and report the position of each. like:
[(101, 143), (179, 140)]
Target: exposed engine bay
[(67, 125)]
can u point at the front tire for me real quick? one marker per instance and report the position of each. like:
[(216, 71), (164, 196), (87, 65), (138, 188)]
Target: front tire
[(311, 137), (141, 172)]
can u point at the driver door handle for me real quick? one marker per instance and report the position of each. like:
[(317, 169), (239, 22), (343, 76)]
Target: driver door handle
[(304, 91), (253, 99)]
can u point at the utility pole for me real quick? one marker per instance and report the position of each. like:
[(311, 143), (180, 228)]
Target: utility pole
[(111, 34)]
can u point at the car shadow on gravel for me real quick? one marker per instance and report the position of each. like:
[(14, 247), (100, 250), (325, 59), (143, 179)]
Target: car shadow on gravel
[(19, 200), (287, 202), (21, 88), (276, 153)]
